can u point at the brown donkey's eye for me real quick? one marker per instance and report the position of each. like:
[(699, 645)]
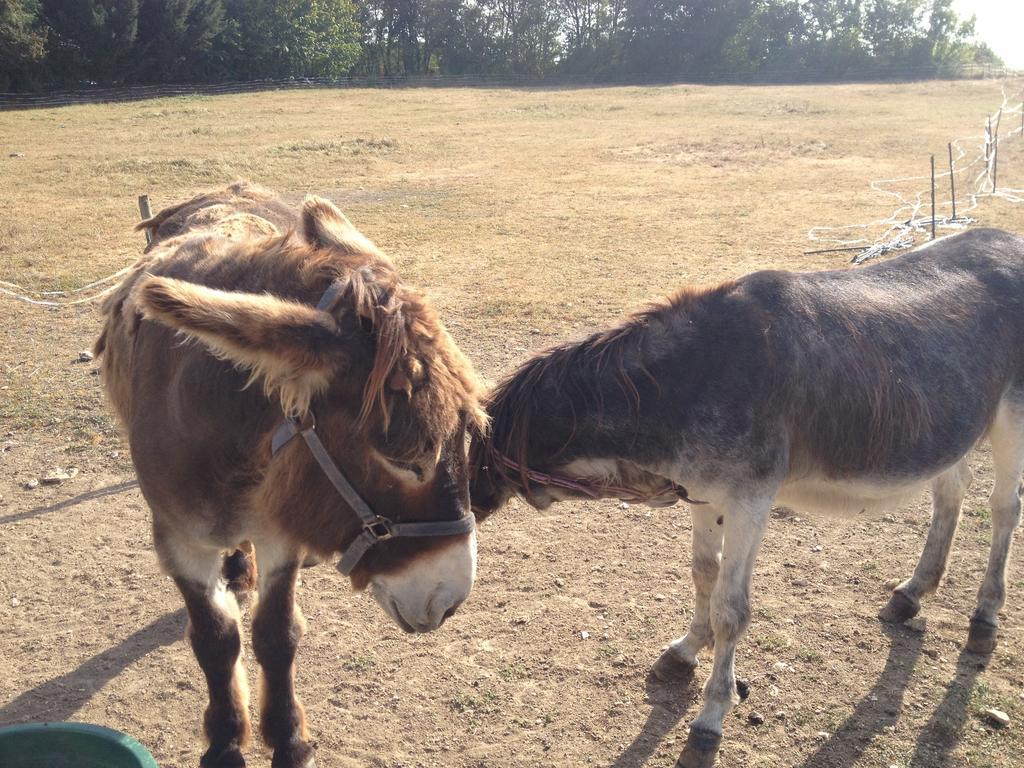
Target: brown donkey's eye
[(414, 468)]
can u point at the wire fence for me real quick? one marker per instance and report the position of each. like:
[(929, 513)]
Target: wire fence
[(970, 180), (100, 95)]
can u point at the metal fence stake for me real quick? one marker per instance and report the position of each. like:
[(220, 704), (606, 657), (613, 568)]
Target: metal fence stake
[(952, 180), (933, 197)]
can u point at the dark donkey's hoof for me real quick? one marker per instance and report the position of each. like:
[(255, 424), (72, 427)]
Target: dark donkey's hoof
[(223, 757), (701, 749), (981, 638), (672, 668), (899, 609), (742, 688)]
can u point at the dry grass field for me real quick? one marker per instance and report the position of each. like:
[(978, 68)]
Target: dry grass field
[(531, 217)]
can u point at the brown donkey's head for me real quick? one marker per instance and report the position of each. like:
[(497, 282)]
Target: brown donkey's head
[(391, 395)]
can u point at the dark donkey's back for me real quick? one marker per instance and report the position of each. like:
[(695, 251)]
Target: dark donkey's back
[(841, 390), (897, 369)]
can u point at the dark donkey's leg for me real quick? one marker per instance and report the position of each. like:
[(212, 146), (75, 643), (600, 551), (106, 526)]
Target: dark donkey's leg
[(277, 628), (745, 522), (216, 640), (948, 491), (1007, 437), (680, 659)]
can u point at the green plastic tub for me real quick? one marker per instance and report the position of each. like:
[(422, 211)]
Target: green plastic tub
[(70, 745)]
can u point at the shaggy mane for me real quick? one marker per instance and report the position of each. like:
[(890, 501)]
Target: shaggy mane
[(242, 238), (578, 366)]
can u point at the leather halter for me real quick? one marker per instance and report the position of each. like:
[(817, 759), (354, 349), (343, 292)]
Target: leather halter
[(586, 486), (376, 528)]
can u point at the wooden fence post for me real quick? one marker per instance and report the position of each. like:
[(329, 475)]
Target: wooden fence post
[(146, 213)]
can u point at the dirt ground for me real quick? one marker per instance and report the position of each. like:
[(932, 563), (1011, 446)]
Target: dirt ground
[(531, 217)]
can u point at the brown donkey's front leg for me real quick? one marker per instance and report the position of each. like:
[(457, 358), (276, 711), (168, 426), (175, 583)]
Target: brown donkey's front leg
[(276, 630), (215, 638)]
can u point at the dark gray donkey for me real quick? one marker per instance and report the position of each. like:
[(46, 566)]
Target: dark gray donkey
[(841, 391)]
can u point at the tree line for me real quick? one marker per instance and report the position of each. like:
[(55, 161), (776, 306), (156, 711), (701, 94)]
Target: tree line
[(73, 43)]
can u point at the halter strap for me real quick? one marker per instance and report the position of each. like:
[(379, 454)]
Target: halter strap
[(375, 527)]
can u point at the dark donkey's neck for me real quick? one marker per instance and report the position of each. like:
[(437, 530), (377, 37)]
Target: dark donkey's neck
[(623, 394)]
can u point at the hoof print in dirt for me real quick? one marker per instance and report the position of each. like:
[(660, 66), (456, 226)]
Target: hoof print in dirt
[(900, 608), (670, 668), (701, 749)]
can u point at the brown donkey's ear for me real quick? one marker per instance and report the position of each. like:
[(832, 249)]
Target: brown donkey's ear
[(324, 226), (291, 347)]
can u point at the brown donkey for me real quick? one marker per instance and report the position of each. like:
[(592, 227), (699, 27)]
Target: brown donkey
[(279, 385), (835, 391)]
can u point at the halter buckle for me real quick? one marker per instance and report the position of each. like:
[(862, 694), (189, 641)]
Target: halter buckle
[(379, 529)]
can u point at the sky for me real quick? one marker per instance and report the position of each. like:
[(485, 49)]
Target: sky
[(1000, 24)]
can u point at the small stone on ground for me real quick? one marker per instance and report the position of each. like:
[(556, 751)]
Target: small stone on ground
[(997, 717), (58, 476)]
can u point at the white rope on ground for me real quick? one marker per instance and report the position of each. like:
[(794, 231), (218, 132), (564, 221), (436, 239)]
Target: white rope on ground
[(906, 221), (27, 299), (36, 298)]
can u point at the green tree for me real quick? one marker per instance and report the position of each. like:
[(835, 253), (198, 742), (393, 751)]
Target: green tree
[(688, 36), (947, 38), (176, 40), (591, 32), (91, 39), (771, 41), (22, 42), (392, 41), (289, 38), (455, 38), (116, 41), (892, 29), (835, 42), (525, 34)]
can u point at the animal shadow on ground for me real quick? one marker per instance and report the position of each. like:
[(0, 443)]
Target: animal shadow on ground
[(98, 493), (61, 697), (883, 704), (669, 703), (935, 745)]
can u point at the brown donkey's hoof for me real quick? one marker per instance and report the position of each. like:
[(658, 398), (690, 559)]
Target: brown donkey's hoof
[(222, 758), (671, 668), (899, 609), (981, 638), (310, 560), (239, 571), (701, 749), (295, 754)]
